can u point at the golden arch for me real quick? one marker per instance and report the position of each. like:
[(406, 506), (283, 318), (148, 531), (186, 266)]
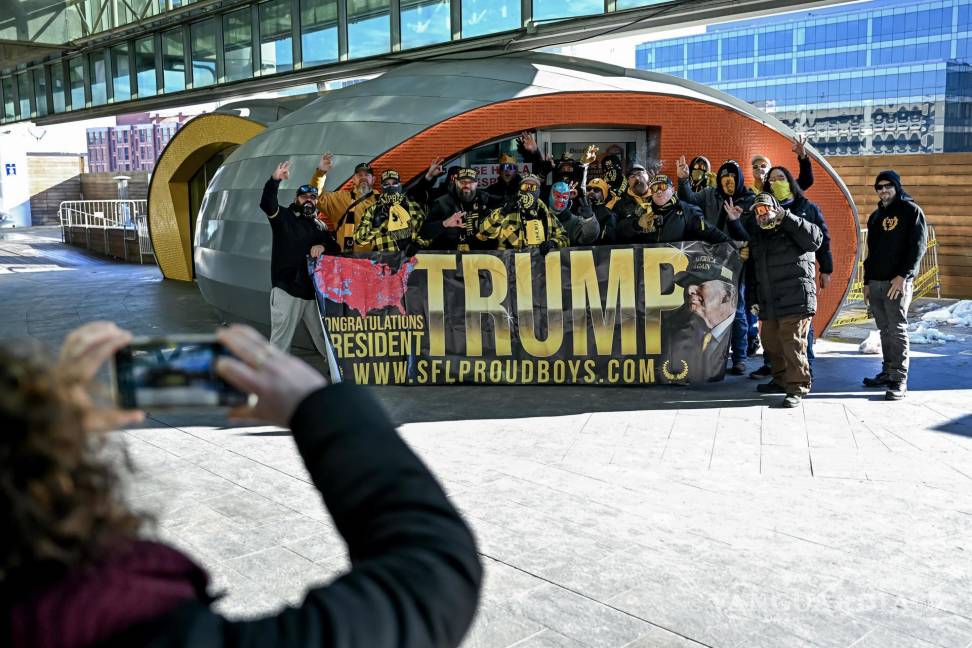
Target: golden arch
[(168, 199)]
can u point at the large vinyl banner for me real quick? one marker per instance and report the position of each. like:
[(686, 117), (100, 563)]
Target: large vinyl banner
[(631, 315)]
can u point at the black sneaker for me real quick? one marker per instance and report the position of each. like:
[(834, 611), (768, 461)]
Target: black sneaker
[(791, 400), (770, 388), (738, 369), (753, 347), (896, 391), (880, 380), (761, 373)]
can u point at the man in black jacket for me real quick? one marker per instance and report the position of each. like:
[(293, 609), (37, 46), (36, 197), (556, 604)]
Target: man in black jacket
[(658, 216), (782, 289), (297, 233), (897, 236), (455, 217)]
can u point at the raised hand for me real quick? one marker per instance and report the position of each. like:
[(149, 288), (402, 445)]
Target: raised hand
[(456, 220), (528, 140), (682, 168), (732, 211), (327, 161), (800, 145), (282, 172), (590, 155), (435, 168)]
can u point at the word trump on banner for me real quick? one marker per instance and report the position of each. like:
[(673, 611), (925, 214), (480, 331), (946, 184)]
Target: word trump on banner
[(635, 315)]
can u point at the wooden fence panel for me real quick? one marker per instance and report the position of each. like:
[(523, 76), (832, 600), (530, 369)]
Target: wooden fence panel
[(939, 183)]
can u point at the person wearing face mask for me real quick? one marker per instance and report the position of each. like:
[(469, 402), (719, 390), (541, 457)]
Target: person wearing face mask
[(762, 164), (525, 222), (700, 174), (455, 217), (729, 186), (786, 190), (781, 289), (597, 192), (658, 216), (297, 233), (582, 227), (897, 238), (508, 183), (613, 173), (394, 222)]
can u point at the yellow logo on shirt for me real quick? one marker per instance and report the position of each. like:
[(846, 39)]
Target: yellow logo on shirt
[(889, 223), (534, 231)]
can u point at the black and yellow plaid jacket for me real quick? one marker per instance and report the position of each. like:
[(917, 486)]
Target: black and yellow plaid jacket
[(390, 235), (508, 227)]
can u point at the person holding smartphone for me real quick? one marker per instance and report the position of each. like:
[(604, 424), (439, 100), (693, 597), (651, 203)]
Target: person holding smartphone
[(297, 234), (75, 572)]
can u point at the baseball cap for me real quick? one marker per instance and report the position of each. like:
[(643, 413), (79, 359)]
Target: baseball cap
[(701, 269), (364, 166), (467, 173), (306, 189), (390, 174)]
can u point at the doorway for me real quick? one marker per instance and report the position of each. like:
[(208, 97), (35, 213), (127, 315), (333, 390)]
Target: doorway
[(198, 184)]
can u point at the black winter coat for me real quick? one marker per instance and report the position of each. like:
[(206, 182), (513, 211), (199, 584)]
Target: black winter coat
[(805, 209), (780, 274), (682, 223), (450, 238), (415, 574)]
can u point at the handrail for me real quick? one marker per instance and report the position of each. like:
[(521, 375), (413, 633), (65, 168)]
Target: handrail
[(130, 216)]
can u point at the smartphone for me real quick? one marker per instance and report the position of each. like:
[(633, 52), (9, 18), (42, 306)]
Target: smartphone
[(172, 372)]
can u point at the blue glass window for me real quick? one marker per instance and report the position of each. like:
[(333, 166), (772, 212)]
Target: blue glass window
[(425, 22), (846, 32), (237, 45), (963, 49), (369, 28), (738, 71), (547, 9), (173, 61), (776, 42), (276, 37), (738, 46), (932, 22), (889, 27), (641, 57), (706, 51), (203, 47), (775, 68), (488, 16), (704, 75), (318, 31), (669, 55), (964, 17)]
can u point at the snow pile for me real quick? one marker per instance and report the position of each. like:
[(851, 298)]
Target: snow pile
[(958, 314), (929, 335), (924, 308), (872, 344)]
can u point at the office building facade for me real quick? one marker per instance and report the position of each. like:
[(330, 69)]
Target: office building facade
[(887, 76), (133, 144)]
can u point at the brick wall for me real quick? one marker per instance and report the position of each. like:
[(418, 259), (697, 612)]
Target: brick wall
[(688, 127)]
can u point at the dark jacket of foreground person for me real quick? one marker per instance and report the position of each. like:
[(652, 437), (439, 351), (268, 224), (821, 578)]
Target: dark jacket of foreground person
[(897, 236), (414, 580), (780, 274)]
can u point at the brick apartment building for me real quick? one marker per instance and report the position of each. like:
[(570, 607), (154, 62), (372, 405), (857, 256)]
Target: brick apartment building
[(133, 144)]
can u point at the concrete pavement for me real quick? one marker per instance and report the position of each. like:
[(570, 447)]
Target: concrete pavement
[(605, 517)]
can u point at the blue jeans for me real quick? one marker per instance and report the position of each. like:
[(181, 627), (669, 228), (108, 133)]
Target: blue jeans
[(740, 328), (753, 324)]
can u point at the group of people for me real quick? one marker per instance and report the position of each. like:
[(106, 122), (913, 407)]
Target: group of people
[(772, 222)]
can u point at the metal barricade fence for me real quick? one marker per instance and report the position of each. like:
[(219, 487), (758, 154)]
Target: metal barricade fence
[(928, 279), (97, 217)]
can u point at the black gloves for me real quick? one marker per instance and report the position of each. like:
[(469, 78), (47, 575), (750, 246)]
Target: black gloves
[(546, 246), (584, 207)]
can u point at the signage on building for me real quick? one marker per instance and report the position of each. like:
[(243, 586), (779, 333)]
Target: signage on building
[(10, 168)]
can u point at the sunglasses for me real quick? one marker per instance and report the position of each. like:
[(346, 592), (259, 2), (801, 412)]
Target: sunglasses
[(528, 186), (661, 186), (883, 186), (507, 167)]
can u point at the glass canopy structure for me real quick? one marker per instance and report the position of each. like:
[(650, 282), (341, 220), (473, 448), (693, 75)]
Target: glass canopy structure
[(72, 59)]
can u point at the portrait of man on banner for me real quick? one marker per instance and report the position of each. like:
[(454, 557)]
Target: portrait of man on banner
[(695, 337)]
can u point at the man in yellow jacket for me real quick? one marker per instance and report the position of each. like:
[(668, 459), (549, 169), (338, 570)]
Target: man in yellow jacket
[(343, 209)]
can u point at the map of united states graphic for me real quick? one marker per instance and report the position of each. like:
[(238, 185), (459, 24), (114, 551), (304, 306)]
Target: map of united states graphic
[(363, 285)]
